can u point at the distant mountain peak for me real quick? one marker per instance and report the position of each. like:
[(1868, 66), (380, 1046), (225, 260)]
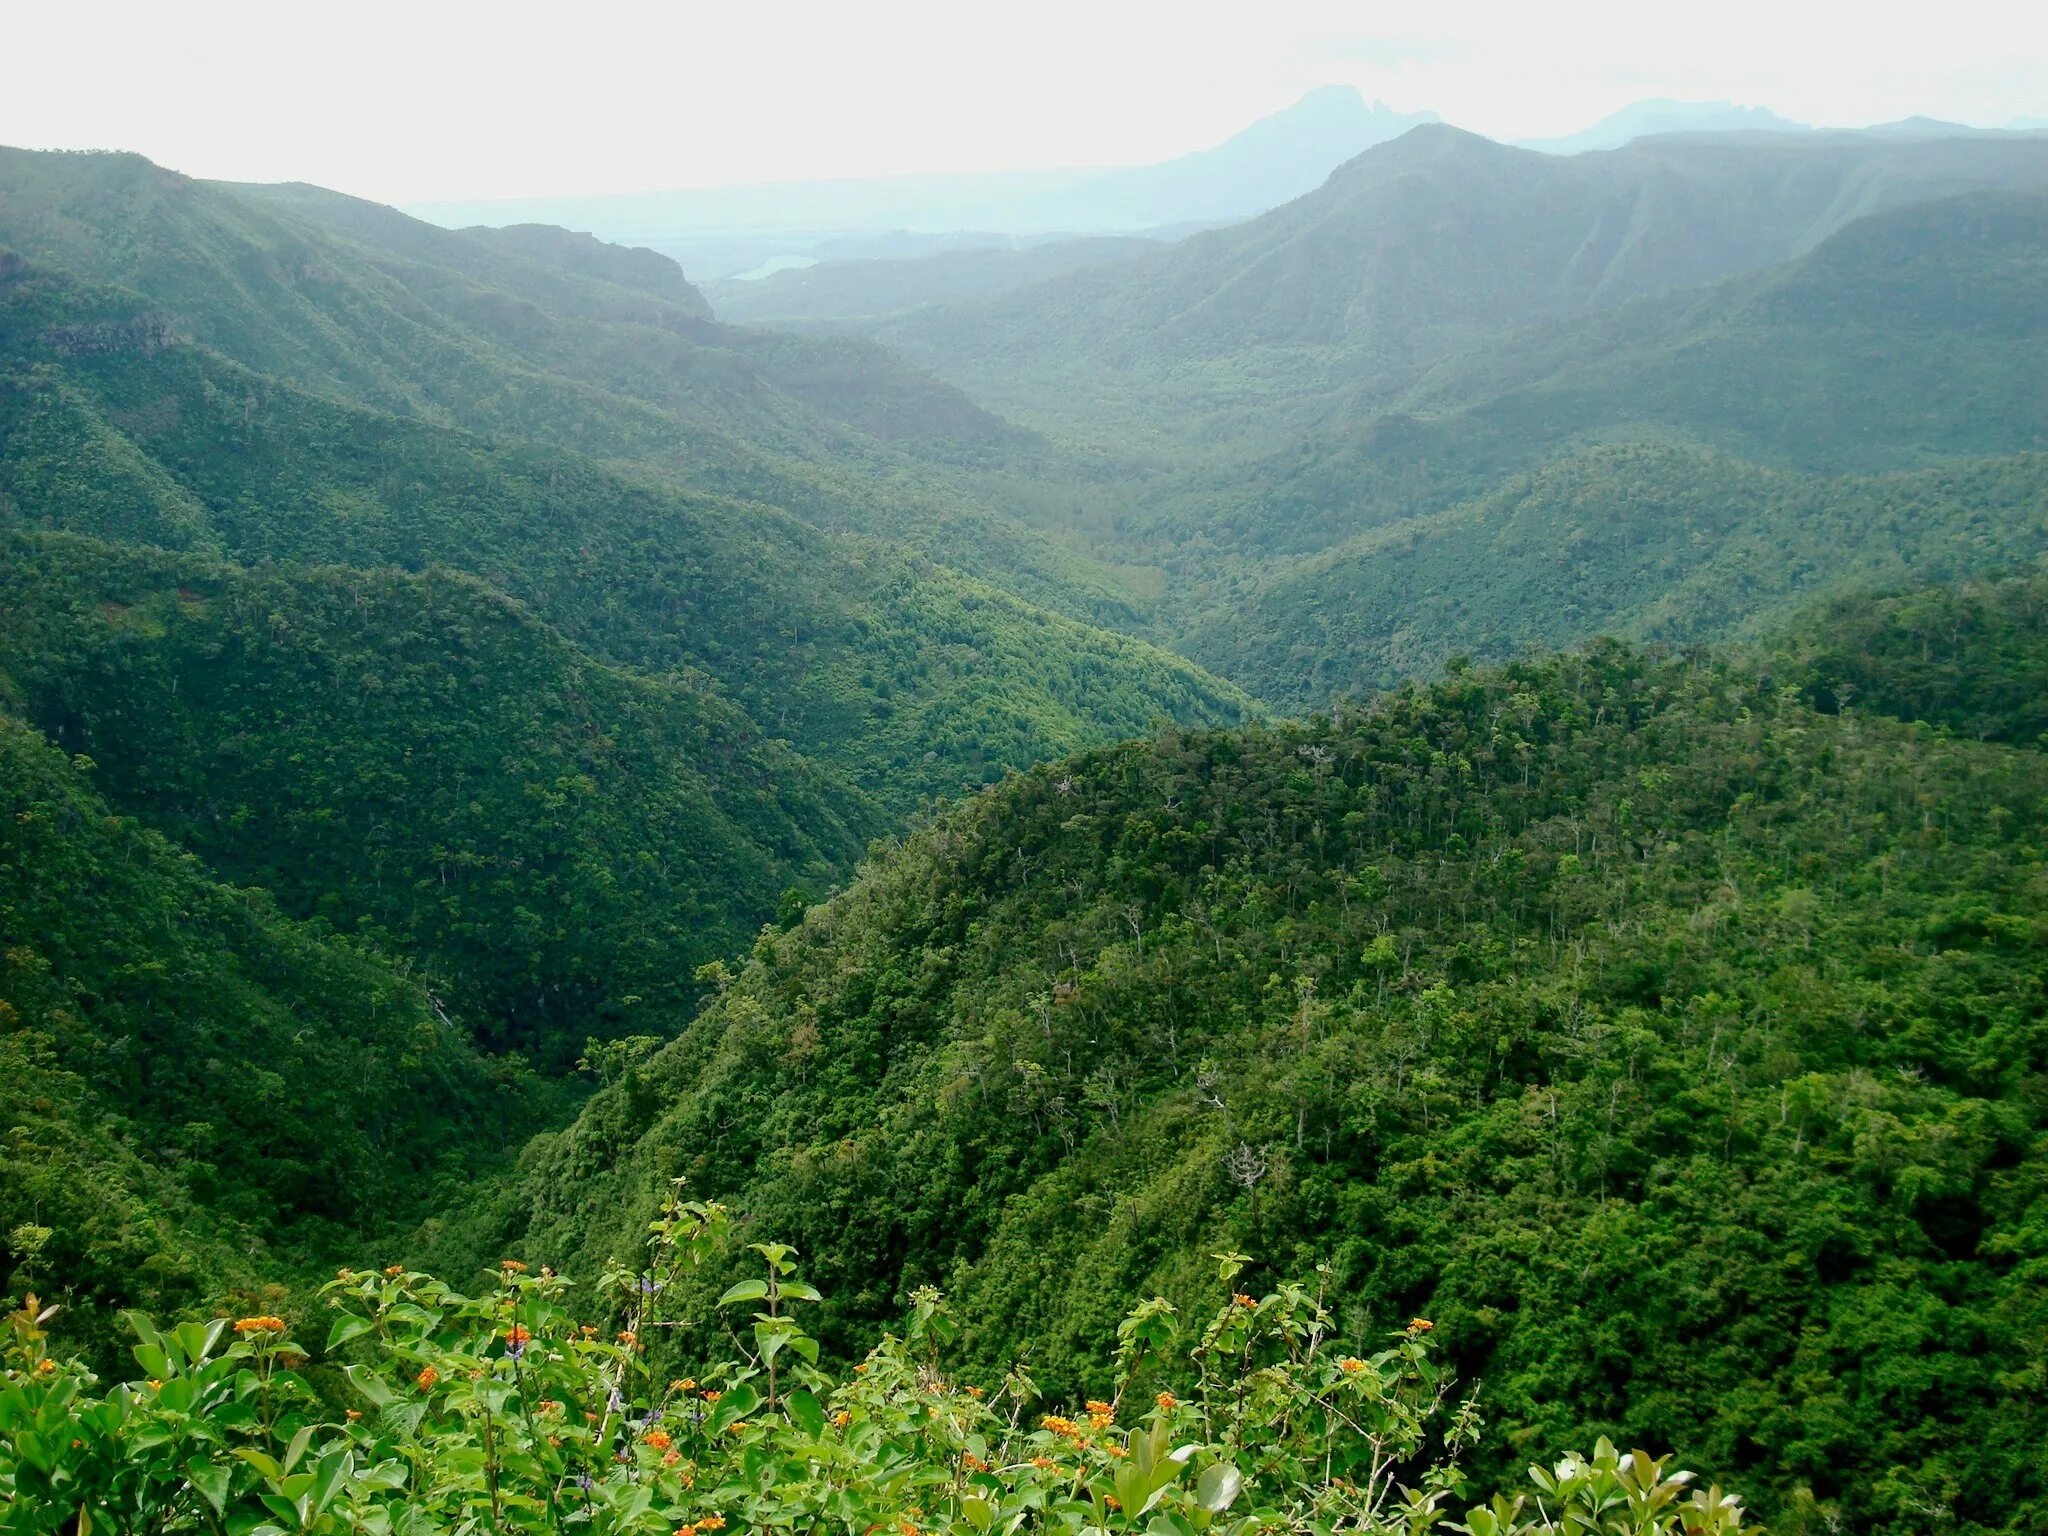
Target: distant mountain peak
[(1661, 114)]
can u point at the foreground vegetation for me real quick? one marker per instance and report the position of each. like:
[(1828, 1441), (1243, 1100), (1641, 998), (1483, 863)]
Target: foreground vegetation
[(435, 1411), (1675, 1043)]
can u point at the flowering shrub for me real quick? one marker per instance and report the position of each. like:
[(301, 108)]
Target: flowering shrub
[(505, 1412)]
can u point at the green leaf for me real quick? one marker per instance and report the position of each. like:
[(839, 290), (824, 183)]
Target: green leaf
[(347, 1326), (1218, 1487), (806, 1412), (211, 1480), (328, 1478), (297, 1448), (369, 1383), (746, 1290), (734, 1406)]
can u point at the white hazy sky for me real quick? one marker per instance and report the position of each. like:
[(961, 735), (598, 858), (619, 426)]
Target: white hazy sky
[(406, 100)]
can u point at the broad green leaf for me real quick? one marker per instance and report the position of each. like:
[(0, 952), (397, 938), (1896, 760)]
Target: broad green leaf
[(346, 1327), (1218, 1486), (212, 1481), (735, 1405), (369, 1383), (806, 1412)]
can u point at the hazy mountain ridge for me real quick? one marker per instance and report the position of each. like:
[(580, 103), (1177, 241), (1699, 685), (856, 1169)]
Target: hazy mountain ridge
[(1271, 161), (1416, 249), (1662, 115), (863, 290)]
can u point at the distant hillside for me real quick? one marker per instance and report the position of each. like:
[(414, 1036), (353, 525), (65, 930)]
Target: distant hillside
[(1415, 250), (512, 336), (1665, 544), (1660, 469), (856, 290), (905, 676), (1909, 337)]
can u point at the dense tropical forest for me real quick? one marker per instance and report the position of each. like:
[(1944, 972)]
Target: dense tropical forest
[(1224, 882)]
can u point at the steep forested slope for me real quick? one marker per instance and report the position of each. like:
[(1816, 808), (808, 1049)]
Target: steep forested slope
[(1676, 1048), (534, 335), (199, 1093), (908, 677), (419, 759)]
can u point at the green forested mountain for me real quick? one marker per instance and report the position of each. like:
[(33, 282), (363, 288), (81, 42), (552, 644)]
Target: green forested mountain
[(1418, 248), (201, 1094), (424, 652), (1680, 467), (1675, 1047), (910, 678), (517, 335), (1664, 543), (1969, 658), (1909, 338), (418, 759)]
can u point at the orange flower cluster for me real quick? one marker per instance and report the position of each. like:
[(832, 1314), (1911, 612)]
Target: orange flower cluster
[(628, 1337), (683, 1384), (712, 1397), (426, 1378), (841, 1419), (512, 1266), (1420, 1325), (1350, 1366), (1167, 1401), (517, 1336), (1062, 1426), (1100, 1414), (263, 1324), (656, 1439), (972, 1462), (1044, 1463), (1242, 1300), (394, 1270)]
